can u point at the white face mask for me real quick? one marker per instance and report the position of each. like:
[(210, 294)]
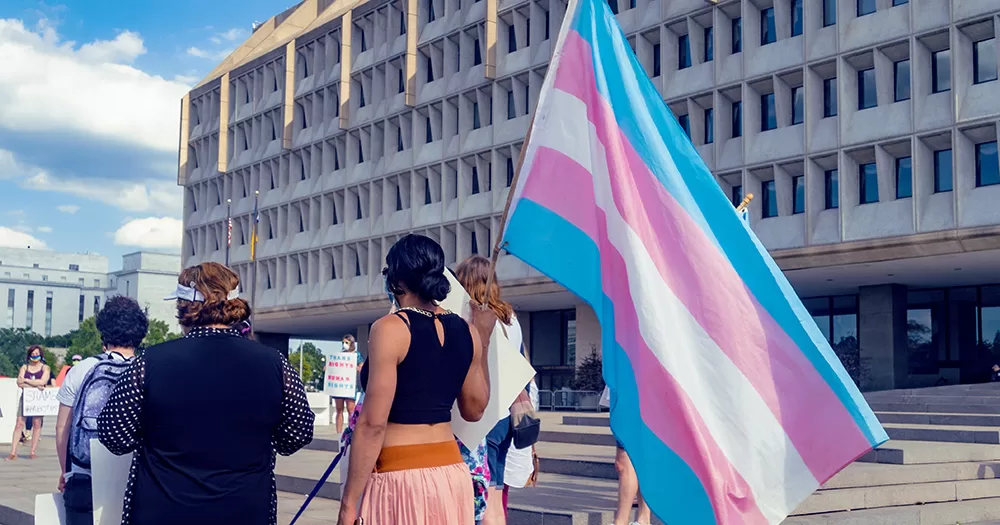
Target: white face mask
[(347, 345)]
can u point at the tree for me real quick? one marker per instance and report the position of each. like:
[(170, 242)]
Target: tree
[(14, 343), (590, 375), (313, 365), (86, 341), (159, 332)]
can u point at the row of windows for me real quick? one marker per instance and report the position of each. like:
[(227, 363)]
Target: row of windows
[(987, 174)]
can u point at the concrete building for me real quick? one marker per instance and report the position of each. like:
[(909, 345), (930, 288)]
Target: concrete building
[(866, 129), (51, 293)]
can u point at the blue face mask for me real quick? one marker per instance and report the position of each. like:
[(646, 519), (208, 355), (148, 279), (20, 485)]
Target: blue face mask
[(388, 291)]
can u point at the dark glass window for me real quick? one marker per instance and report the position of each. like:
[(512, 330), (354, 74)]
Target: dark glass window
[(613, 4), (736, 27), (737, 195), (942, 171), (709, 126), (475, 115), (511, 109), (683, 52), (430, 11), (866, 7), (685, 123), (901, 80), (768, 33), (868, 183), (511, 39), (709, 44), (737, 119), (829, 12), (904, 177), (477, 55), (832, 189), (510, 171), (799, 194), (900, 2), (770, 205), (941, 71), (829, 97), (768, 116), (796, 17), (402, 86), (984, 61), (867, 97), (987, 167), (656, 60), (798, 105)]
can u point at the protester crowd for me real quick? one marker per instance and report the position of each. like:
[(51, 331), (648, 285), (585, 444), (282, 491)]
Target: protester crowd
[(194, 464)]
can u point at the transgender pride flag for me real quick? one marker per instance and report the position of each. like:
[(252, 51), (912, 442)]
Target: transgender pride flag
[(729, 400)]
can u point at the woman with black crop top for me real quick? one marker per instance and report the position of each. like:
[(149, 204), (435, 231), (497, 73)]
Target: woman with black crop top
[(405, 466)]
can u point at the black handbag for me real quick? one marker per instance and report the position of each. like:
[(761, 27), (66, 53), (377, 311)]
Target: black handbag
[(525, 424)]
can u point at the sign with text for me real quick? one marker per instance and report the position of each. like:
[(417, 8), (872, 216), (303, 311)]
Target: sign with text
[(341, 375), (39, 403)]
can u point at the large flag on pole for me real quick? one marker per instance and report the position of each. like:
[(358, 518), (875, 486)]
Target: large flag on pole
[(254, 221), (728, 398)]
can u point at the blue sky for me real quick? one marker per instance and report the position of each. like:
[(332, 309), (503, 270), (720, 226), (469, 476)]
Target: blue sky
[(89, 105)]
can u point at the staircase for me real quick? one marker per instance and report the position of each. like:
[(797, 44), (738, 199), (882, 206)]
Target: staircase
[(942, 467)]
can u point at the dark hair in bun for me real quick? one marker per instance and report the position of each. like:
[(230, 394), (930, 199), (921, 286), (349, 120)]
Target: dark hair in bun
[(416, 263)]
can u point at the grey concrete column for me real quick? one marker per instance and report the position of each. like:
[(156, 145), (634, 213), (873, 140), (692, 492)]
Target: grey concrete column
[(362, 339), (882, 334), (278, 342)]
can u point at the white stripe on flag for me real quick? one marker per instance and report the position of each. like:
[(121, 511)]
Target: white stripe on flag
[(741, 423)]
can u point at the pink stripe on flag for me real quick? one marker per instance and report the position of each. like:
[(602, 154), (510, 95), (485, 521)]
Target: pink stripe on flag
[(677, 422), (713, 292)]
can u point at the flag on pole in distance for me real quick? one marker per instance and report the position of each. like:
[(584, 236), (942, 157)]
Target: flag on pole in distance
[(254, 219), (726, 395)]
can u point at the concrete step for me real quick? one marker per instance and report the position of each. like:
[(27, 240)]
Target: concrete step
[(943, 433), (950, 513), (928, 452), (861, 475), (917, 418), (934, 408), (938, 399), (590, 421), (567, 435), (837, 500)]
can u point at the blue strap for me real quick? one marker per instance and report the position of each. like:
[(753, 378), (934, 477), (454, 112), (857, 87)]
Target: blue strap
[(315, 489)]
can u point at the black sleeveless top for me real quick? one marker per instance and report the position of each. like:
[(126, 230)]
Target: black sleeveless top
[(431, 375)]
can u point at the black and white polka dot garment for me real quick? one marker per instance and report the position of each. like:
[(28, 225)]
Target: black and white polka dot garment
[(118, 424)]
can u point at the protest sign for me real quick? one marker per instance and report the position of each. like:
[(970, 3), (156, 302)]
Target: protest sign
[(341, 375), (9, 395), (110, 474), (49, 509), (39, 403)]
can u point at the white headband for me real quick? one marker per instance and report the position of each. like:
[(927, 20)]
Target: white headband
[(188, 293)]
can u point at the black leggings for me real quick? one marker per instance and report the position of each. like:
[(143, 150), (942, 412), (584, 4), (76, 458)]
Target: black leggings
[(78, 499)]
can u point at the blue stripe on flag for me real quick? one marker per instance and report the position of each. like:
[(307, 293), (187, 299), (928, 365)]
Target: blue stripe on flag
[(553, 246), (699, 194)]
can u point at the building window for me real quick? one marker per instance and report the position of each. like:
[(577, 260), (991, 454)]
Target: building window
[(430, 11), (737, 119), (74, 267), (904, 178), (737, 195), (97, 304), (866, 7), (709, 126), (736, 28), (832, 189), (900, 2), (477, 55), (796, 17), (984, 61), (901, 80), (656, 60), (837, 319), (10, 307), (770, 203), (683, 52), (83, 302), (829, 12), (510, 171), (613, 4), (942, 171), (29, 320), (799, 194), (511, 108), (798, 105), (709, 44), (45, 277), (829, 97), (48, 314), (768, 34), (768, 117), (868, 183), (867, 97), (511, 39), (987, 167), (685, 123), (941, 71)]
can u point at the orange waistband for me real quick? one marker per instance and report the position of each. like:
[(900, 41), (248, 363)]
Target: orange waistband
[(426, 455)]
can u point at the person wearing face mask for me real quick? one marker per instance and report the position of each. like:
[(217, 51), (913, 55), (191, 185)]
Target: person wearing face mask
[(349, 346), (33, 374)]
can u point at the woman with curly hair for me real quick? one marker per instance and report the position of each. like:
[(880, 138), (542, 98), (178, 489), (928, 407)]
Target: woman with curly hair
[(245, 394)]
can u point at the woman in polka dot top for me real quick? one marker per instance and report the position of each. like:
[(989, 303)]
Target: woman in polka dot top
[(205, 415)]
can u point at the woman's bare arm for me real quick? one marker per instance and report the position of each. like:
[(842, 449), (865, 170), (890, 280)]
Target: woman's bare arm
[(21, 381)]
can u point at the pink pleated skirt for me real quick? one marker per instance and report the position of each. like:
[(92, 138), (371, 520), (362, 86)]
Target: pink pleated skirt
[(419, 485)]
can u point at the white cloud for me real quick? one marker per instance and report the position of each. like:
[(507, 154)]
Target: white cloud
[(68, 208), (151, 232), (10, 168), (51, 85), (44, 229), (188, 80), (150, 195), (236, 33), (11, 238), (210, 55)]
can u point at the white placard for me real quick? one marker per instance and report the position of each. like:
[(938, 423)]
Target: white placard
[(49, 509), (509, 372), (110, 474), (9, 396), (40, 402), (341, 375)]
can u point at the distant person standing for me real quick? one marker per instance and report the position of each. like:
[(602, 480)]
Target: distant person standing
[(349, 346), (628, 482), (33, 374), (122, 324)]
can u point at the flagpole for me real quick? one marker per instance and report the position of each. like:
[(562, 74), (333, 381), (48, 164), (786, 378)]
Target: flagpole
[(253, 259), (229, 227)]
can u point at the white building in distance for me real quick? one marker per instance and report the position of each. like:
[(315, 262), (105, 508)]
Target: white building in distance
[(51, 293), (866, 129)]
